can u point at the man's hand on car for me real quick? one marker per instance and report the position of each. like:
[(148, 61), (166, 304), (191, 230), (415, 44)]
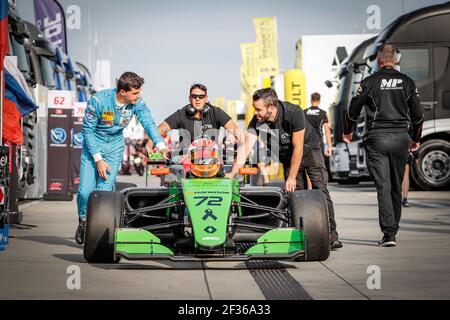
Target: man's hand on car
[(230, 175), (103, 168), (165, 153), (290, 185)]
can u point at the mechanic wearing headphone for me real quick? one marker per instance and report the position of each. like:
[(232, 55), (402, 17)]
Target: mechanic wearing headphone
[(199, 117)]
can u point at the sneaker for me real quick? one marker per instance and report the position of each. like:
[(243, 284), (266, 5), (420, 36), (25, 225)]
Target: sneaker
[(336, 244), (387, 242), (79, 234), (405, 203)]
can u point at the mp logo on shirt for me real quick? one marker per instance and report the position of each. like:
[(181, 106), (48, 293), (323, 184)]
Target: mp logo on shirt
[(391, 84), (313, 112)]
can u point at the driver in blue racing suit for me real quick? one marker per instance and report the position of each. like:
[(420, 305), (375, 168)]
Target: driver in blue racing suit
[(108, 112)]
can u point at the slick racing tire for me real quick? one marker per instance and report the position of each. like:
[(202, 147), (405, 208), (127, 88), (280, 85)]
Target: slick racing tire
[(310, 212), (104, 215), (123, 185), (432, 169)]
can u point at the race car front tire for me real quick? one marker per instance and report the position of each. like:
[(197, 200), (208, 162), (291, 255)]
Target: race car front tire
[(309, 211), (104, 215)]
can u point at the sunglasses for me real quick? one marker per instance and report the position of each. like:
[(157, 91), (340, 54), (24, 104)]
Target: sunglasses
[(198, 96)]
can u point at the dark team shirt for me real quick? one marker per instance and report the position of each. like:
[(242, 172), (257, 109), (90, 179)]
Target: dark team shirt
[(391, 101), (214, 119), (285, 123), (297, 121), (317, 117)]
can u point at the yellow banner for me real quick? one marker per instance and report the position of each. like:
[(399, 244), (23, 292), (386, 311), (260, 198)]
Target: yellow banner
[(266, 39), (295, 87), (249, 52), (249, 76), (219, 102), (231, 109)]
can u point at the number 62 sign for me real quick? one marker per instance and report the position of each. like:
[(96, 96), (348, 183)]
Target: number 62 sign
[(61, 99)]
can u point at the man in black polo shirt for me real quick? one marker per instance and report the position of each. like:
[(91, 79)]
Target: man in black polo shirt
[(299, 147), (319, 120), (199, 118)]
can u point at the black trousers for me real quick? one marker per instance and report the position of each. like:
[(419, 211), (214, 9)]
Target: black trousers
[(313, 164), (386, 158)]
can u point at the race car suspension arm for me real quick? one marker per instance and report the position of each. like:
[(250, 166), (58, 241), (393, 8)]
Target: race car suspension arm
[(269, 210), (250, 226), (258, 206), (142, 211), (163, 204), (161, 226)]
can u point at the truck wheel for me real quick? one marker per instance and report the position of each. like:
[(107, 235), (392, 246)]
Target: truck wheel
[(104, 215), (432, 169), (123, 185), (310, 207)]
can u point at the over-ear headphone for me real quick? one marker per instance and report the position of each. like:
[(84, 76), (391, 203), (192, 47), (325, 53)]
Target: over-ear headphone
[(190, 110)]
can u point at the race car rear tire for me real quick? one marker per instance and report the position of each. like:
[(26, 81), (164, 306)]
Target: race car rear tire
[(123, 185), (104, 215), (310, 212)]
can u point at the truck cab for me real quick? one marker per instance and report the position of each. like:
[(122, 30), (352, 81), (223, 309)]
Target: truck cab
[(347, 161), (41, 56)]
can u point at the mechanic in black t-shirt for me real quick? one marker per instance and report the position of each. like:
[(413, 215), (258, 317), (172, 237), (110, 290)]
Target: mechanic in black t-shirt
[(299, 147), (198, 119), (318, 118)]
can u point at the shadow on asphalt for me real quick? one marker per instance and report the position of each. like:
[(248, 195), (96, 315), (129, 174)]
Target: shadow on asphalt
[(413, 222), (170, 265), (71, 257), (177, 265), (57, 241), (356, 204), (359, 242)]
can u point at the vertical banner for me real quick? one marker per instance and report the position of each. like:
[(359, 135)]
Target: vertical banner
[(76, 145), (231, 109), (266, 40), (60, 110), (295, 87), (50, 19), (249, 76), (219, 102)]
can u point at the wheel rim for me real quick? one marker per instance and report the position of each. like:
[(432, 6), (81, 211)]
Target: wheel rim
[(436, 166)]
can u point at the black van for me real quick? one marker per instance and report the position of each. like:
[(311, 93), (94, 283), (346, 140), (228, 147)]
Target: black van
[(423, 37)]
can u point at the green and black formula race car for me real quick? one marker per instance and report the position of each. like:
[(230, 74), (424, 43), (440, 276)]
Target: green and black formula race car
[(203, 216)]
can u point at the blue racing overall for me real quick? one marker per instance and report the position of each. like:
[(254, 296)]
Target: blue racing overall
[(103, 126)]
